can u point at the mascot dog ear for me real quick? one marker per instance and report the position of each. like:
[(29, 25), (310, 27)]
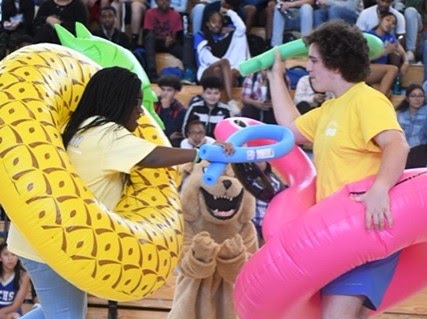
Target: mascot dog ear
[(186, 169)]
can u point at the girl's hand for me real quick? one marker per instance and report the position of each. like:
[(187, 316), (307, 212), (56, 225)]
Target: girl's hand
[(389, 47), (228, 147)]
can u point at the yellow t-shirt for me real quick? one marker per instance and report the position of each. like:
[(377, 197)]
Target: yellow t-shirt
[(342, 132), (100, 155)]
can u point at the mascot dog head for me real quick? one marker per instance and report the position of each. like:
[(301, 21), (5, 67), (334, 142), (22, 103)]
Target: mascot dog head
[(221, 209)]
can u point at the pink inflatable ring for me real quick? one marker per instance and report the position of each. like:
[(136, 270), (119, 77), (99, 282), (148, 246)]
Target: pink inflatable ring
[(308, 245)]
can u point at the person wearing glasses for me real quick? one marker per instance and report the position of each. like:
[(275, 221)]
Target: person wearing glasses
[(412, 115), (196, 135)]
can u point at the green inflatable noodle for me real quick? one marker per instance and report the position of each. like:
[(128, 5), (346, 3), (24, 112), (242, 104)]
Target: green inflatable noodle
[(108, 54), (297, 48)]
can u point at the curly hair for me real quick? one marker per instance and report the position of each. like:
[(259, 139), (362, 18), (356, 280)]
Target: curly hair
[(343, 47)]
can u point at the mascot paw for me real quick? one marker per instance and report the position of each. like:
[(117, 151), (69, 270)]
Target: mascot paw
[(204, 247), (231, 248)]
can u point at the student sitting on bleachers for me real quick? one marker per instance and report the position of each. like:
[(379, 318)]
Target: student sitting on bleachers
[(14, 284), (170, 110), (207, 106), (163, 33), (412, 115), (220, 50), (292, 15)]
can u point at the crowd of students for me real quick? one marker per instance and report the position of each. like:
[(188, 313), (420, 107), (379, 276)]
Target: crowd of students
[(202, 40), (217, 46), (221, 44)]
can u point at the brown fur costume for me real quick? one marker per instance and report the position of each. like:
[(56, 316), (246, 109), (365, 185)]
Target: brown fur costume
[(219, 238)]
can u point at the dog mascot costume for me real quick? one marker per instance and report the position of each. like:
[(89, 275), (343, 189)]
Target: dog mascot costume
[(218, 239)]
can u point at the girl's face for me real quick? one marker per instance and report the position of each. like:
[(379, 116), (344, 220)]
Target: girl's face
[(388, 23), (416, 99), (8, 260), (214, 23), (196, 134), (136, 113)]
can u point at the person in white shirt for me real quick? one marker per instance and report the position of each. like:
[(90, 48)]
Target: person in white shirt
[(369, 18), (196, 135)]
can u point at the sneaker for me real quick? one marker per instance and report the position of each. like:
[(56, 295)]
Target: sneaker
[(410, 56), (234, 108), (189, 77)]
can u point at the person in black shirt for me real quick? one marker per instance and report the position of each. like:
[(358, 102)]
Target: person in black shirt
[(63, 12), (107, 30)]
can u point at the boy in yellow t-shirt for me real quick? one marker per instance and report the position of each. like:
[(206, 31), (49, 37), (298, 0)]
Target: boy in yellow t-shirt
[(354, 135)]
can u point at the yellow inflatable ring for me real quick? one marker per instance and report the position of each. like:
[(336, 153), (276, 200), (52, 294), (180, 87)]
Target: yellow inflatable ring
[(122, 255)]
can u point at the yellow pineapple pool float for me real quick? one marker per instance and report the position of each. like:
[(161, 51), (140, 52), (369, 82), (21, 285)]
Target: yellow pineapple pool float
[(122, 255)]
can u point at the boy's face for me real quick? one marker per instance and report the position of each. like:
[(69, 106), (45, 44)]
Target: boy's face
[(107, 19), (163, 5), (321, 78), (167, 92), (211, 96), (384, 5)]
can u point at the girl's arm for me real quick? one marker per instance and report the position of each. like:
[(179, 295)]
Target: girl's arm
[(21, 294), (237, 22), (405, 62), (204, 54), (163, 156)]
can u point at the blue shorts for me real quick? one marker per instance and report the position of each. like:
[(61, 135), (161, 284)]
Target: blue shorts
[(370, 280)]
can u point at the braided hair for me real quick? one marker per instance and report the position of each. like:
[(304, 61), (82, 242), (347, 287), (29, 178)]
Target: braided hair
[(110, 95)]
